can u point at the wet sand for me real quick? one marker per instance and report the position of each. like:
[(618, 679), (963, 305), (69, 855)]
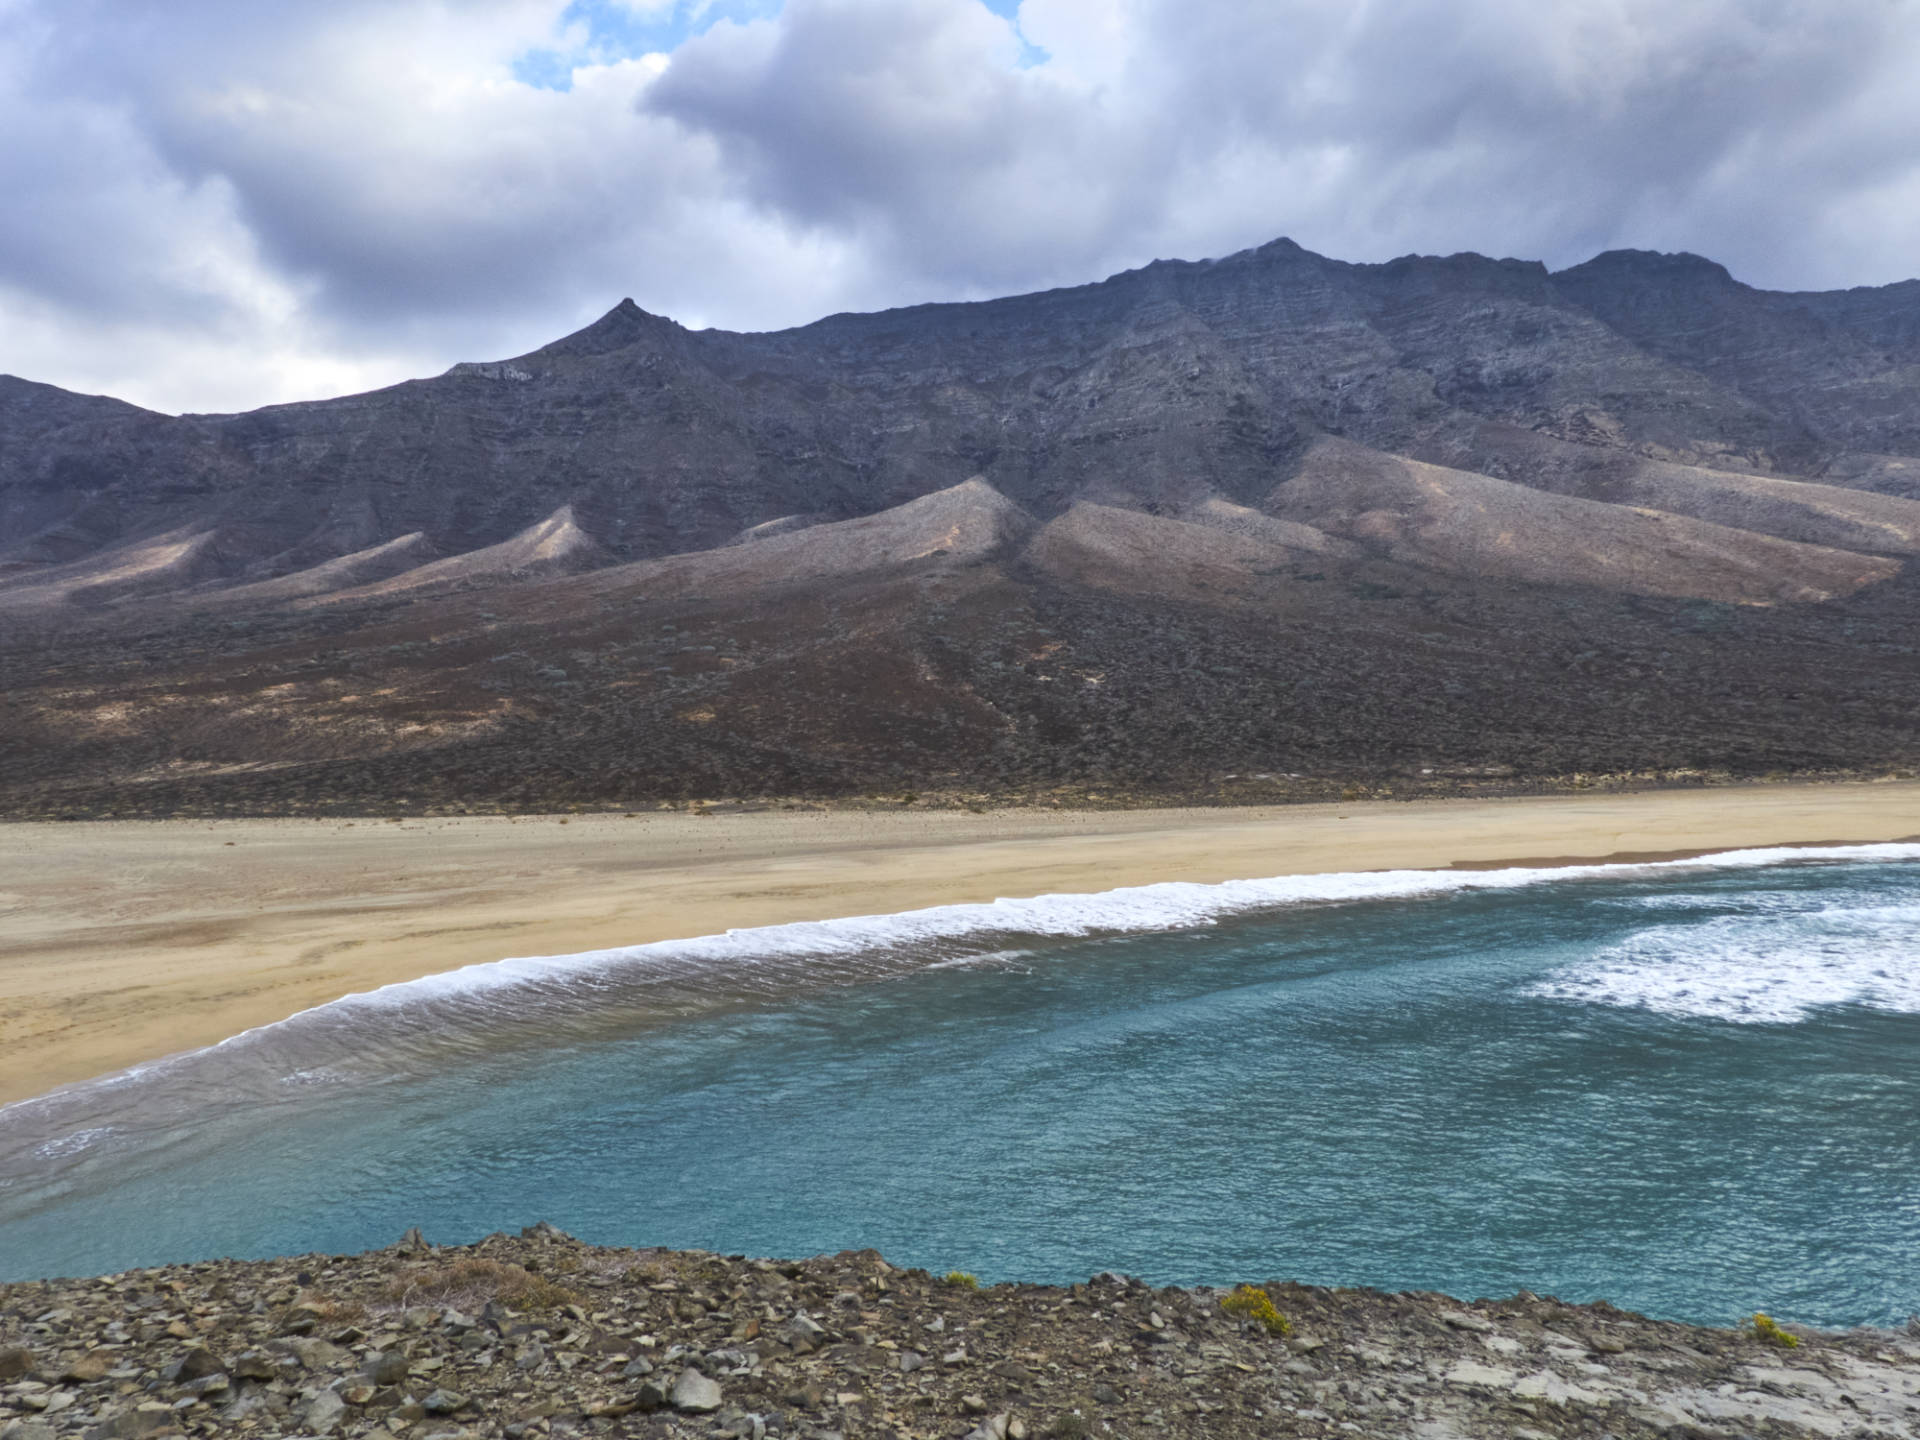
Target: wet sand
[(122, 941)]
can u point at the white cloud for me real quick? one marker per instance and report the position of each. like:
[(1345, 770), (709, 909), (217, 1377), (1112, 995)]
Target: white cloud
[(217, 203)]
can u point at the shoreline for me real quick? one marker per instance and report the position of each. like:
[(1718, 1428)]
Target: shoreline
[(127, 941)]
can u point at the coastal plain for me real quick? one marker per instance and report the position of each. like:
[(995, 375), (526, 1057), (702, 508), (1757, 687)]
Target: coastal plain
[(124, 941)]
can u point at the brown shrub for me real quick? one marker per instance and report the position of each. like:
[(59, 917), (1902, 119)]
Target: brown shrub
[(469, 1284)]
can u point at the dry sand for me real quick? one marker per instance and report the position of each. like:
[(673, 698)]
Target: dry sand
[(122, 941)]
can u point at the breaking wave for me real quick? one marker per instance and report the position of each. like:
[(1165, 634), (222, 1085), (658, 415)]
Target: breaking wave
[(167, 1108), (1775, 965)]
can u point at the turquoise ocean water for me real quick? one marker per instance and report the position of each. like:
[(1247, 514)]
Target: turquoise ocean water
[(1692, 1089)]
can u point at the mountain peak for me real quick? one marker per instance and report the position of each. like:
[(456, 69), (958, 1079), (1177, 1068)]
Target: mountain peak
[(625, 324), (1651, 265)]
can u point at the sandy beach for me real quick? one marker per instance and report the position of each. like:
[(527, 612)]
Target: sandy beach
[(124, 941)]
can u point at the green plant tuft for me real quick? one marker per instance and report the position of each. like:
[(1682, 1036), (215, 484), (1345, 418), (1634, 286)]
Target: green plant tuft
[(1765, 1328), (1256, 1304), (962, 1280)]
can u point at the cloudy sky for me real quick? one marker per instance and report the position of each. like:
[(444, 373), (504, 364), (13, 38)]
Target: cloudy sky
[(214, 204)]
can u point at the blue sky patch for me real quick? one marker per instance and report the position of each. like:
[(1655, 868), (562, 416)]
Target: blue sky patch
[(620, 32)]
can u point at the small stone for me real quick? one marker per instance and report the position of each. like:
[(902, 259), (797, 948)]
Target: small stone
[(388, 1367), (694, 1391), (215, 1384), (196, 1364), (358, 1394), (805, 1397), (444, 1402), (87, 1368), (253, 1366), (910, 1361), (1461, 1320), (312, 1353), (16, 1362), (1106, 1394), (27, 1430), (143, 1419), (637, 1368), (322, 1413), (973, 1404), (243, 1406)]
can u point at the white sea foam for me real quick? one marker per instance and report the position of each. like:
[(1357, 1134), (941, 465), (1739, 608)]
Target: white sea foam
[(1139, 909), (74, 1143), (992, 959), (1767, 967), (330, 1041)]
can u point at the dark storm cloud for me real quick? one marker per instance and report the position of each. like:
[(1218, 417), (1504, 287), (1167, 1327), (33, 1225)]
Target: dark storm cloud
[(1515, 126), (217, 202)]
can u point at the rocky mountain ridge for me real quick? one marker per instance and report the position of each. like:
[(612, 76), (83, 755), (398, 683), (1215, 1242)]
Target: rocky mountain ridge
[(1386, 497)]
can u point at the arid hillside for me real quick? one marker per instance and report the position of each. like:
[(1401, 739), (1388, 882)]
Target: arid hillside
[(1265, 526)]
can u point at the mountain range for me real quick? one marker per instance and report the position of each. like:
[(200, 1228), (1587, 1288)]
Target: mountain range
[(1263, 527)]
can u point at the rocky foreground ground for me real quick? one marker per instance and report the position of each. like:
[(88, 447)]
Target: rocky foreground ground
[(540, 1335)]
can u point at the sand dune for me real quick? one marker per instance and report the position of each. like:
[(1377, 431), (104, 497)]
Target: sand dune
[(1467, 523), (1799, 510), (1802, 509), (783, 525), (1223, 514), (377, 562), (1140, 554), (554, 546), (964, 523), (159, 563)]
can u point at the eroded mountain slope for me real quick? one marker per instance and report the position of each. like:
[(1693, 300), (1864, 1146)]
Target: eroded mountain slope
[(1273, 517)]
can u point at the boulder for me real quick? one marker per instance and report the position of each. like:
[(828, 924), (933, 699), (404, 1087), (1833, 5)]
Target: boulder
[(388, 1367), (323, 1413), (694, 1391)]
